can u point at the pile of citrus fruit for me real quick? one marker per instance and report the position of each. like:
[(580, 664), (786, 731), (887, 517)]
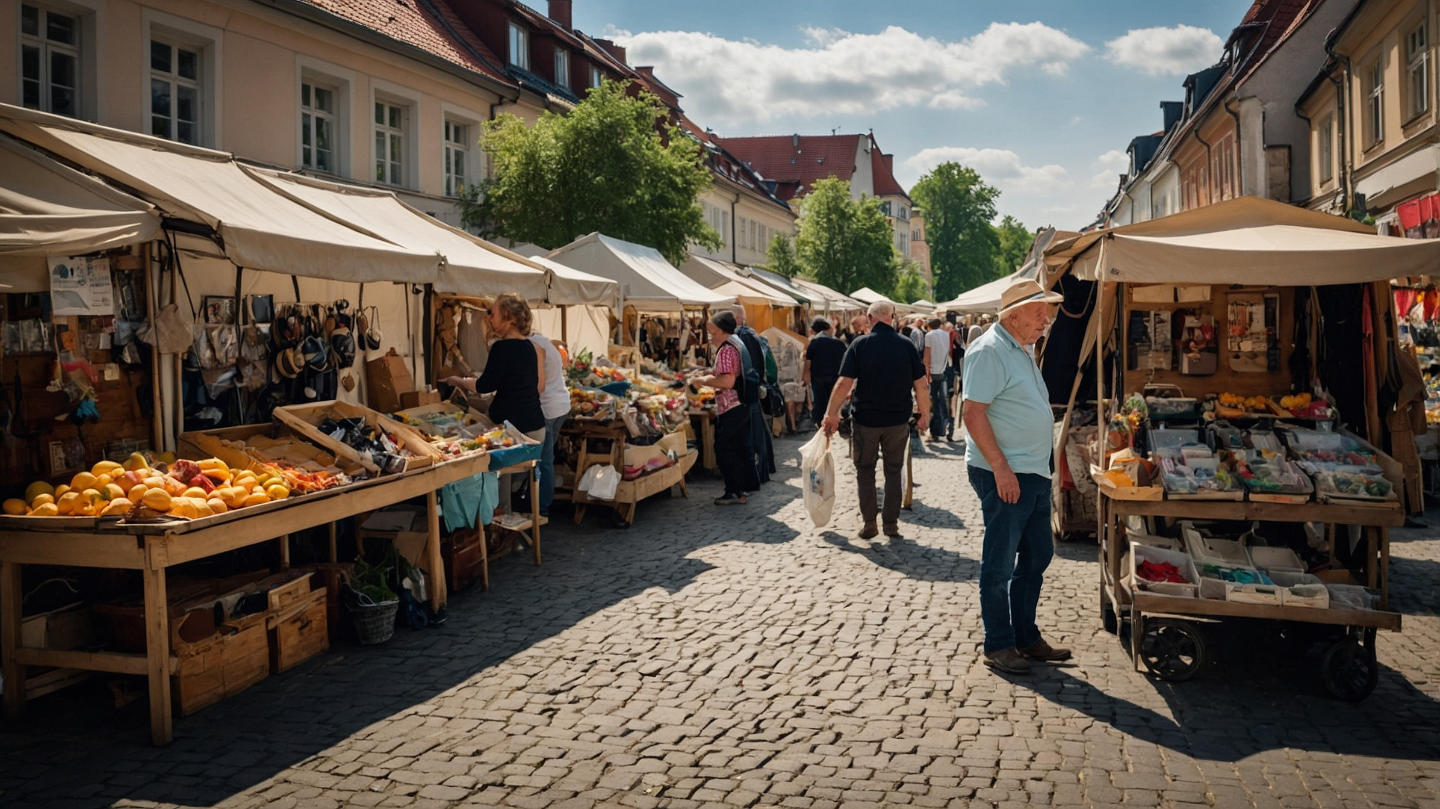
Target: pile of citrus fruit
[(142, 487)]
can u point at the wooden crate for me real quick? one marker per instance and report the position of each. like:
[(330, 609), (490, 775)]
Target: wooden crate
[(304, 418), (328, 576), (464, 555), (299, 631), (226, 663)]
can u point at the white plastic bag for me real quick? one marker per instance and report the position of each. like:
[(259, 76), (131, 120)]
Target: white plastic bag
[(817, 472), (600, 482)]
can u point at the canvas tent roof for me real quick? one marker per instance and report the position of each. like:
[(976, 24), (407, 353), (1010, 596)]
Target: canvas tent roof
[(50, 209), (725, 279), (779, 282), (260, 229), (833, 300), (472, 266), (984, 299), (647, 281), (1243, 241), (571, 287)]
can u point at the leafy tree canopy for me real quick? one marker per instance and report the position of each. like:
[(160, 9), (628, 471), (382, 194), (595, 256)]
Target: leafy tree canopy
[(910, 287), (604, 166), (845, 243), (1014, 241), (782, 256), (959, 207)]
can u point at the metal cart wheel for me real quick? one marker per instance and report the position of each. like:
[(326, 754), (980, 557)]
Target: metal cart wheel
[(1172, 650), (1349, 670)]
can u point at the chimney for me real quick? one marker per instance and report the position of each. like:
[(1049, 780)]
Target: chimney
[(560, 13), (613, 49)]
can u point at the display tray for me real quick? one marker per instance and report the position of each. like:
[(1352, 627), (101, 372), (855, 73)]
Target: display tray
[(1142, 493), (305, 418), (24, 522)]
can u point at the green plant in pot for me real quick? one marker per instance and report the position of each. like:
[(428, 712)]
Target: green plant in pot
[(371, 581)]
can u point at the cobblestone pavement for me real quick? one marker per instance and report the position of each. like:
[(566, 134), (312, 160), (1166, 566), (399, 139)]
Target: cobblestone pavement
[(735, 656)]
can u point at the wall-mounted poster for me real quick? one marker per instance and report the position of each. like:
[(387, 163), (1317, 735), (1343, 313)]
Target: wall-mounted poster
[(80, 286)]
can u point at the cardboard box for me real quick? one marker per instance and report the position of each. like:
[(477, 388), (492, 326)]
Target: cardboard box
[(406, 527), (385, 379), (67, 628), (419, 398)]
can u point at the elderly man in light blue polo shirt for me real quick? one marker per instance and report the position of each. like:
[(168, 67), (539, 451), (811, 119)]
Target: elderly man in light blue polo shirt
[(1009, 422)]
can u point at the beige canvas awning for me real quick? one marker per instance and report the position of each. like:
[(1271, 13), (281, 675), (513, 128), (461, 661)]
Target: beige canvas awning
[(472, 265), (572, 287), (1243, 241), (717, 276), (260, 229), (50, 209), (647, 281), (833, 301)]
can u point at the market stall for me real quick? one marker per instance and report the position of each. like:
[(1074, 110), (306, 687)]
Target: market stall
[(834, 305), (1228, 486), (259, 269), (764, 304), (580, 309)]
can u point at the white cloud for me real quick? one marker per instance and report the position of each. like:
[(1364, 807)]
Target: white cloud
[(1165, 51), (1107, 169), (728, 82), (1001, 168)]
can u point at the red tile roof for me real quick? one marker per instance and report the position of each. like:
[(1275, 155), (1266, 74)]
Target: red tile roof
[(797, 162), (407, 21), (1280, 17), (882, 169)]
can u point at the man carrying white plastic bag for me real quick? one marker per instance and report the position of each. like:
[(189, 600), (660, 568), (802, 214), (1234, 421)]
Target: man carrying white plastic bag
[(817, 469)]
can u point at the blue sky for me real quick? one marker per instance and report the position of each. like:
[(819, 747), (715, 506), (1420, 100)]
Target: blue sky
[(1041, 96)]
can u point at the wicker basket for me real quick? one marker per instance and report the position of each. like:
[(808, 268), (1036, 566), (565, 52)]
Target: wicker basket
[(374, 623)]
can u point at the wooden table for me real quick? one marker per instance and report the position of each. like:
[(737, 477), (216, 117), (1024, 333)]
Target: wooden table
[(152, 548), (705, 438)]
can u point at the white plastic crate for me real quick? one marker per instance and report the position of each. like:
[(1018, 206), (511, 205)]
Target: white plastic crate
[(1140, 554), (1276, 560)]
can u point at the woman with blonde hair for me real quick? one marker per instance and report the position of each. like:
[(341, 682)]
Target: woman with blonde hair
[(513, 370)]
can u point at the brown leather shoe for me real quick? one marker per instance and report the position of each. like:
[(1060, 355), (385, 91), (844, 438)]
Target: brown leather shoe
[(869, 531), (1009, 661), (1044, 652), (892, 531)]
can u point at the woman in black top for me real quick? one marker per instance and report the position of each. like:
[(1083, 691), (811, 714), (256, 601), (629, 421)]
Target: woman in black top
[(512, 370)]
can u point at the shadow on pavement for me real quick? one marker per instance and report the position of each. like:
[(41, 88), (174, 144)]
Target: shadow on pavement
[(73, 748), (909, 558)]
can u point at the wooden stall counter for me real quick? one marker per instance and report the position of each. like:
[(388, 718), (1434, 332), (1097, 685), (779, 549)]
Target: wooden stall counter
[(153, 548)]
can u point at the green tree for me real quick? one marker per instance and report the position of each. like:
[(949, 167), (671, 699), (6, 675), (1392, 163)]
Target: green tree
[(959, 208), (844, 243), (909, 287), (782, 256), (1014, 245), (604, 166)]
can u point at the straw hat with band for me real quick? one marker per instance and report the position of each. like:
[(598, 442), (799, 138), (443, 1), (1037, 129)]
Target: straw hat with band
[(1021, 293)]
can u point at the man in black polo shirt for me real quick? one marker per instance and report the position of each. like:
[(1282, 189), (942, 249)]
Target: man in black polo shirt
[(822, 366), (884, 370)]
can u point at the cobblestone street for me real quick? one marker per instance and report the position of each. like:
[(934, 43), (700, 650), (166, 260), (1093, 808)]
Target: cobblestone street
[(736, 656)]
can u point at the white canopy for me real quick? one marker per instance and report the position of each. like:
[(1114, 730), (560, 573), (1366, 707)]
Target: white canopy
[(780, 282), (50, 209), (1244, 241), (923, 304), (867, 295), (472, 265), (830, 300), (647, 281), (260, 229), (984, 299), (571, 287), (725, 279)]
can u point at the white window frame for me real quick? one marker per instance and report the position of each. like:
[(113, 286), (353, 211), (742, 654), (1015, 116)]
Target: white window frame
[(1325, 149), (597, 76), (562, 67), (177, 82), (1375, 103), (519, 45), (394, 95), (89, 16), (46, 49), (455, 139), (342, 82), (391, 167), (1417, 70), (207, 42), (312, 116), (476, 166)]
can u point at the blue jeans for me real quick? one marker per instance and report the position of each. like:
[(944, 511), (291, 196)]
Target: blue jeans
[(547, 463), (1016, 551)]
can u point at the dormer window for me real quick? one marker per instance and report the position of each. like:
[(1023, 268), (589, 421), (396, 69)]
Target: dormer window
[(562, 68), (519, 46)]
